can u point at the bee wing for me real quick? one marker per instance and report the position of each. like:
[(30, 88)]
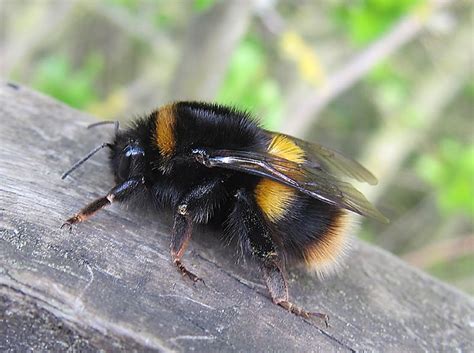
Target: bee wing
[(310, 180), (332, 161)]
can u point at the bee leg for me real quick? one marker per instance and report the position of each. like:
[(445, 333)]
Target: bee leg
[(118, 193), (278, 287), (196, 206), (256, 240), (182, 231)]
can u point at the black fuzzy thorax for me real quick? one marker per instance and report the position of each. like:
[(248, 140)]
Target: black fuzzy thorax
[(197, 125), (203, 125), (206, 125)]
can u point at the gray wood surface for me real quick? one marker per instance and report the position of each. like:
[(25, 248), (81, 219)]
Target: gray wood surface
[(110, 285)]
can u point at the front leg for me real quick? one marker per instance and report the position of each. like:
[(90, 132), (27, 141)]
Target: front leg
[(197, 205), (118, 193)]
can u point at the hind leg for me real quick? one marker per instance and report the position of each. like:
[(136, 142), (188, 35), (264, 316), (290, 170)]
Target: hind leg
[(278, 288), (255, 240)]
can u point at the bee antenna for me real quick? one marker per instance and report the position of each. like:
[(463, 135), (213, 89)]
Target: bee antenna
[(106, 122), (81, 161)]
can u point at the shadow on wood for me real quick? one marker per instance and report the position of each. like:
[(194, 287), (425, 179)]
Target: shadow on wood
[(109, 284)]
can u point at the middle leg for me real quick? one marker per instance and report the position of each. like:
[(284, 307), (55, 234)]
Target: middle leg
[(198, 206), (182, 231)]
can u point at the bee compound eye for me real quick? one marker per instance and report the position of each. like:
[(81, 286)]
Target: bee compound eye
[(134, 149)]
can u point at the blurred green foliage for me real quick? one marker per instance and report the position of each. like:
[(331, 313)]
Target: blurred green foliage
[(56, 76), (131, 5), (470, 88), (450, 170), (392, 88), (202, 5), (249, 86), (365, 20), (158, 13), (134, 5)]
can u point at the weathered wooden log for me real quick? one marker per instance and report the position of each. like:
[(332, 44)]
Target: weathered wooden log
[(109, 284)]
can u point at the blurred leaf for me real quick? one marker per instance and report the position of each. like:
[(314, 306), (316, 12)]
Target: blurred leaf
[(470, 89), (391, 88), (451, 172), (56, 77), (166, 14), (161, 19), (365, 20), (131, 5), (202, 5), (248, 87), (112, 106), (309, 65)]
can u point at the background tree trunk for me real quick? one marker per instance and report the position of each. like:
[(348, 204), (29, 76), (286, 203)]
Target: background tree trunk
[(208, 47)]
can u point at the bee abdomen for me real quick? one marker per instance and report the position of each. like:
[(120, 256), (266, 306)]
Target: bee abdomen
[(325, 253), (314, 234), (272, 197)]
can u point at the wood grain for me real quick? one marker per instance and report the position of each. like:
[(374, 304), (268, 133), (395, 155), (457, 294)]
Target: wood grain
[(109, 284)]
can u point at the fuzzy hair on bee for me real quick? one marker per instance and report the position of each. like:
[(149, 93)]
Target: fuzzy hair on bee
[(282, 198)]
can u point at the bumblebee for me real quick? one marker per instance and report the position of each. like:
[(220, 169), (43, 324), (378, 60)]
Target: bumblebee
[(282, 198)]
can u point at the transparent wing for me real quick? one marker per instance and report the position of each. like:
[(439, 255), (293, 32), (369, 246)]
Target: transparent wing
[(332, 161), (312, 181)]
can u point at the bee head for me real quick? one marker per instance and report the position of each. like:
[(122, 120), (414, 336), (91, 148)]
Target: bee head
[(126, 154), (127, 158)]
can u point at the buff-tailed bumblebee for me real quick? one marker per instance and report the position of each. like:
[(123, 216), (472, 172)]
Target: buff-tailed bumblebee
[(281, 198)]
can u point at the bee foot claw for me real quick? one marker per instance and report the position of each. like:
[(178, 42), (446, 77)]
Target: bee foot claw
[(185, 272), (70, 222), (67, 225), (198, 279), (303, 313), (320, 316), (193, 277)]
